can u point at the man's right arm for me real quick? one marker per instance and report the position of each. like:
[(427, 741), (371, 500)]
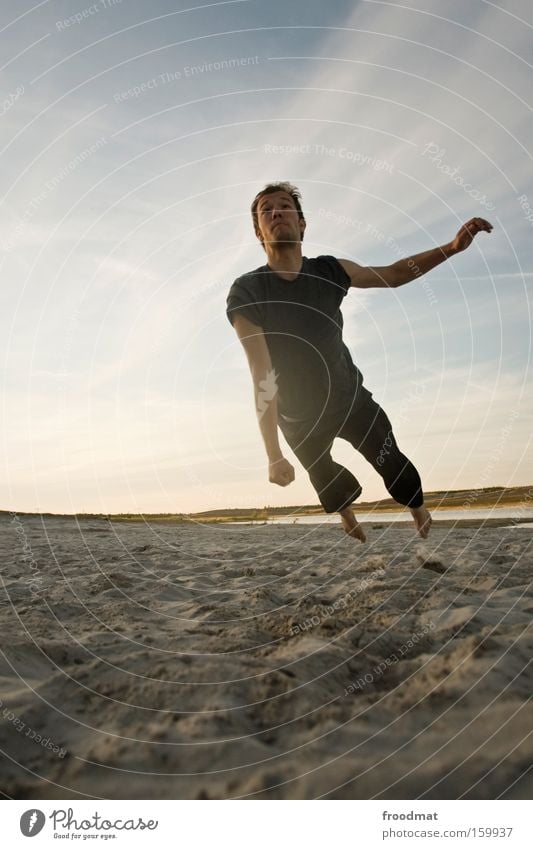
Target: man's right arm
[(253, 340)]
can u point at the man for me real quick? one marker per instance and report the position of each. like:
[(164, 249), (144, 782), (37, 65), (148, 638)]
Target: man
[(287, 316)]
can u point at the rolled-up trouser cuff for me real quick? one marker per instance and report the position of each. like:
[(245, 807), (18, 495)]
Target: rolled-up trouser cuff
[(404, 483), (416, 501)]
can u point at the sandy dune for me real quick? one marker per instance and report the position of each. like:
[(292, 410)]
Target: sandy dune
[(264, 662)]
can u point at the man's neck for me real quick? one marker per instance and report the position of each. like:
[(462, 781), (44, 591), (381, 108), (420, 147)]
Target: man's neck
[(286, 261)]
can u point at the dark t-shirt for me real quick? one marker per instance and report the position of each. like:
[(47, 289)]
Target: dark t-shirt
[(302, 322)]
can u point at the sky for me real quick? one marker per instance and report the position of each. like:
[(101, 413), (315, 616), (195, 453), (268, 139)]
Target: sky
[(133, 139)]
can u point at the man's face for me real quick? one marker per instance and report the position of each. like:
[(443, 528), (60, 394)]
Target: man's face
[(277, 219)]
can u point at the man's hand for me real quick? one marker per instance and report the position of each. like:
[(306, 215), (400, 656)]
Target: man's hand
[(467, 232), (280, 472), (404, 270)]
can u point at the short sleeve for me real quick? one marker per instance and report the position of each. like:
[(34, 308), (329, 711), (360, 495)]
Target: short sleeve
[(335, 277), (241, 299)]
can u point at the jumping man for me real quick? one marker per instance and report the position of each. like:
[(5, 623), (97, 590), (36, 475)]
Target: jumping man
[(287, 316)]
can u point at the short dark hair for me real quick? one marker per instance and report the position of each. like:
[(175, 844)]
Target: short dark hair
[(270, 188)]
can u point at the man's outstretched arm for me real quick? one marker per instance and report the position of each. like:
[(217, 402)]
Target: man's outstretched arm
[(253, 340), (405, 270)]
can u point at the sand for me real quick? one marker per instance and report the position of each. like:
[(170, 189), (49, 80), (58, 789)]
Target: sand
[(286, 662)]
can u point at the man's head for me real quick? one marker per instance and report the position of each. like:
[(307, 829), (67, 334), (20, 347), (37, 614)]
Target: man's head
[(277, 214)]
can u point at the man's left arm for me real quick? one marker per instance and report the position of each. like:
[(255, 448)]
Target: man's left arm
[(405, 270)]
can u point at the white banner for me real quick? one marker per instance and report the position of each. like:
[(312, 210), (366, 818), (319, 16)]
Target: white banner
[(241, 823)]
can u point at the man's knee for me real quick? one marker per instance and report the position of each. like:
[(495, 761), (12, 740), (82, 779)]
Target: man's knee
[(339, 493), (315, 456)]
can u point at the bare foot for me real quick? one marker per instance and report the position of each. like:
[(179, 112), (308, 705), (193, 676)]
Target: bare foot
[(351, 525), (423, 520)]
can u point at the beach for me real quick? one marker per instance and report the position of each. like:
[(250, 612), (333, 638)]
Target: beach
[(188, 661)]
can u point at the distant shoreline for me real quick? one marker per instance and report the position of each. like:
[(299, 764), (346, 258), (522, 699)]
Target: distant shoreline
[(473, 499)]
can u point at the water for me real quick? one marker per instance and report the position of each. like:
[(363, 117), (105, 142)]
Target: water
[(404, 516)]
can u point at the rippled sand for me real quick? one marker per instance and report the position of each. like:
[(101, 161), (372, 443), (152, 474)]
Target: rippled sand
[(179, 661)]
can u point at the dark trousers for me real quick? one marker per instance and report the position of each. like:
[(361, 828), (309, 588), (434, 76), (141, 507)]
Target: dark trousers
[(369, 430)]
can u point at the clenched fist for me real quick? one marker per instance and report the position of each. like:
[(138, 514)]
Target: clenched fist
[(280, 472), (467, 232)]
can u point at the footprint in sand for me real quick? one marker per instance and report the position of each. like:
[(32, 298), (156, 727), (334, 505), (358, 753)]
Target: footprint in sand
[(430, 561)]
